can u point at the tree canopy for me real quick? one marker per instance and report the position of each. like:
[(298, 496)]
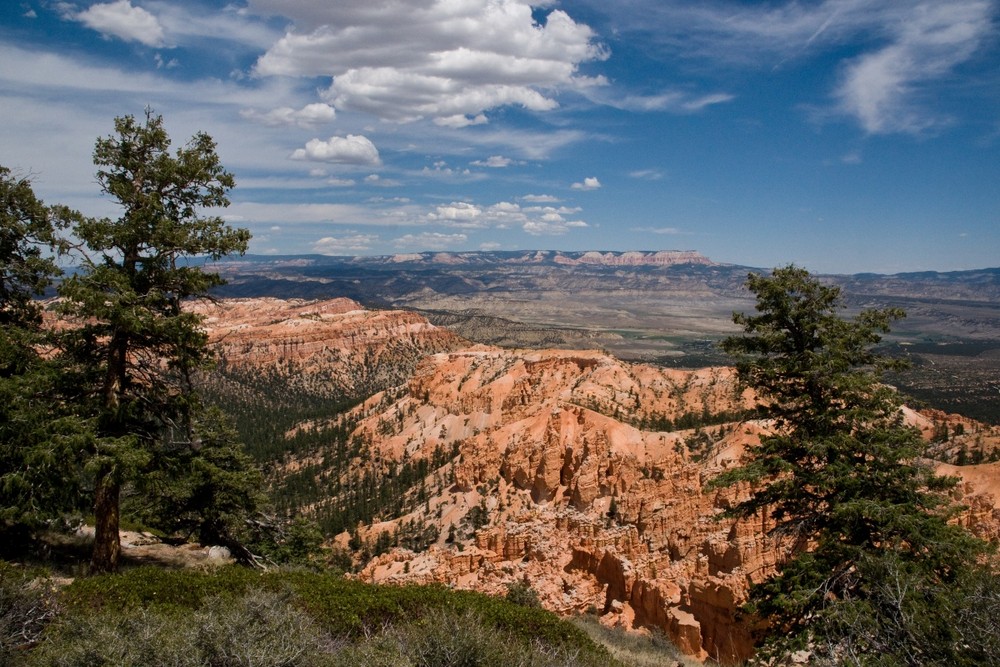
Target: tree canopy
[(39, 432), (841, 476), (135, 346)]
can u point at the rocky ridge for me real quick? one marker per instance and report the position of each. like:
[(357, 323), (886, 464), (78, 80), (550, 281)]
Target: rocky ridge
[(582, 475), (335, 343), (585, 503)]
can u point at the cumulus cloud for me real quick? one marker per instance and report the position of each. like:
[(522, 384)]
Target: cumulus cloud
[(120, 19), (461, 120), (440, 59), (589, 183), (352, 149), (308, 116), (349, 244), (541, 199), (494, 161), (441, 169), (535, 220), (458, 213)]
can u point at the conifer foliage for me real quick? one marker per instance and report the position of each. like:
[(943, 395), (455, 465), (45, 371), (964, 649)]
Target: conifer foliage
[(841, 476), (38, 432), (135, 345)]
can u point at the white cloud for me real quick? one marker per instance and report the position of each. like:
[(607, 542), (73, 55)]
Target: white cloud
[(461, 120), (341, 182), (490, 245), (352, 149), (903, 47), (248, 212), (375, 179), (551, 227), (458, 213), (646, 174), (657, 230), (882, 89), (494, 161), (441, 169), (589, 183), (431, 241), (120, 19), (535, 220), (308, 116), (352, 243), (541, 199), (448, 60), (672, 101), (165, 64)]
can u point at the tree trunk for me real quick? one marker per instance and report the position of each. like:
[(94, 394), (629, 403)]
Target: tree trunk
[(107, 542), (107, 490)]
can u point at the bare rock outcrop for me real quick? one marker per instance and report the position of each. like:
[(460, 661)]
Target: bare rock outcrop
[(592, 507), (586, 500), (336, 342), (584, 476)]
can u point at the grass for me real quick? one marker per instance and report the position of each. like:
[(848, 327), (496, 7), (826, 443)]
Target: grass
[(633, 649)]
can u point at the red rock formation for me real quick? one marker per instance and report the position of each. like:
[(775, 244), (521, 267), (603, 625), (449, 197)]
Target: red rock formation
[(346, 345), (581, 498), (593, 511)]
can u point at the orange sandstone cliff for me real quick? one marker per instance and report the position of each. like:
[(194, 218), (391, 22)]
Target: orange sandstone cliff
[(577, 473)]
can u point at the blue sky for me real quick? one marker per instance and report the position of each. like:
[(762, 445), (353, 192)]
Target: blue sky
[(841, 135)]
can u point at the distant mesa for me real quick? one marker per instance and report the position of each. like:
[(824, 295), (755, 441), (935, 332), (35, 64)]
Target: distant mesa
[(554, 257)]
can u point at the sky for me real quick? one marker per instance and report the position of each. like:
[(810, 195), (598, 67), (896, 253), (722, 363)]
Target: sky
[(840, 135)]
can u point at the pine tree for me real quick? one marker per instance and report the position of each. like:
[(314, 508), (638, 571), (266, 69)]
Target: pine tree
[(39, 435), (841, 475), (135, 345)]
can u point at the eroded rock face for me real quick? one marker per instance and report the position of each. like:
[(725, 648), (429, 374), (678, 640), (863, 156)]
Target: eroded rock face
[(577, 473), (583, 501), (594, 511), (335, 341)]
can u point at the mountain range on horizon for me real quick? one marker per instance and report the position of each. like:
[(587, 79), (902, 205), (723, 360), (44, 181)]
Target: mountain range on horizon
[(667, 307), (661, 258)]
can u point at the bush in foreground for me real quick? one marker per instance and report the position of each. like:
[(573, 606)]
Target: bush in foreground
[(235, 616)]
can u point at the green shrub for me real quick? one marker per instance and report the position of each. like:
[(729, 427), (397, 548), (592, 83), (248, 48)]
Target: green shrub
[(257, 628), (148, 585), (523, 594), (150, 616)]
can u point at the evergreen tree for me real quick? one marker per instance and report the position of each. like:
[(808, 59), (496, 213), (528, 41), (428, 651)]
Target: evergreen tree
[(840, 476), (207, 488), (136, 347), (39, 436)]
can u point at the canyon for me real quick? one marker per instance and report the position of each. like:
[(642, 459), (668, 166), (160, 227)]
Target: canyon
[(579, 474), (666, 307)]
